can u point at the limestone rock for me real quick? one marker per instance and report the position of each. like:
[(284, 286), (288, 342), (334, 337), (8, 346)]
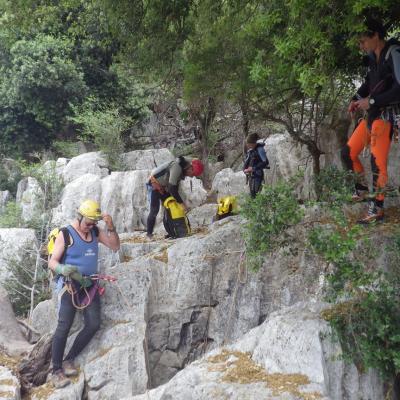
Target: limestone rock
[(9, 385), (124, 197), (192, 192), (88, 163), (5, 197), (293, 356), (85, 187), (74, 391), (16, 244), (30, 196), (11, 338), (203, 216), (229, 183), (44, 317), (146, 159), (56, 167)]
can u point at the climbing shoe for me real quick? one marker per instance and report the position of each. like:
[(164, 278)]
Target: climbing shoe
[(149, 236), (374, 214), (69, 368), (59, 380)]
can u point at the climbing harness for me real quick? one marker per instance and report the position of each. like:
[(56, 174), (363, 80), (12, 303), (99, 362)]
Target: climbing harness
[(81, 302)]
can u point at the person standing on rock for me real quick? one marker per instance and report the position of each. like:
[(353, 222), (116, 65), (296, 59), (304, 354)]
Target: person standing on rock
[(164, 182), (379, 99), (73, 267), (254, 164)]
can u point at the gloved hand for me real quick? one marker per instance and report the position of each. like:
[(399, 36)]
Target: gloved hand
[(83, 281), (65, 269)]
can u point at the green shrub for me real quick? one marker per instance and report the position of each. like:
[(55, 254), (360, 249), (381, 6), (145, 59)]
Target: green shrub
[(22, 281), (65, 148), (269, 215), (366, 305), (104, 127), (12, 216)]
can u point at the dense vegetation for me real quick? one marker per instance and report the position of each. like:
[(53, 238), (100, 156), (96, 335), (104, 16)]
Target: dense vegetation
[(361, 265), (66, 60)]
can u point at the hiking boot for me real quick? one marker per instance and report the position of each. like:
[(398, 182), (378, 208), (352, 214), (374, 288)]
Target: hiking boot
[(374, 214), (69, 368), (59, 380)]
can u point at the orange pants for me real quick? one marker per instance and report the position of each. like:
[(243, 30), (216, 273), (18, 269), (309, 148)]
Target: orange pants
[(379, 137)]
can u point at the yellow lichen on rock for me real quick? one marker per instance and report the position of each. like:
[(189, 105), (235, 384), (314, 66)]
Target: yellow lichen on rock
[(238, 367)]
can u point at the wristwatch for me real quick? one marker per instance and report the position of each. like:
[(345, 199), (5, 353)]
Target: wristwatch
[(371, 101)]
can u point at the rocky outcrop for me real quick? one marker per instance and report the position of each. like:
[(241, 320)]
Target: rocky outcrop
[(5, 197), (146, 159), (89, 163), (175, 300), (9, 385), (74, 391), (30, 197), (229, 183), (11, 339), (15, 245), (87, 186), (290, 356)]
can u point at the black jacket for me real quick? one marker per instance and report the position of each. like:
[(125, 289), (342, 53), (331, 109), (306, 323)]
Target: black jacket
[(380, 82), (255, 159)]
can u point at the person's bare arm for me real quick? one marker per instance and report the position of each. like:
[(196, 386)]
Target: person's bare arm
[(109, 237)]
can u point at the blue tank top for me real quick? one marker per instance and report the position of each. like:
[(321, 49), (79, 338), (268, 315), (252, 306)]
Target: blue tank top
[(84, 255)]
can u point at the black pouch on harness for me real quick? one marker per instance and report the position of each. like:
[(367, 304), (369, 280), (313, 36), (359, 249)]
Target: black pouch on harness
[(175, 220)]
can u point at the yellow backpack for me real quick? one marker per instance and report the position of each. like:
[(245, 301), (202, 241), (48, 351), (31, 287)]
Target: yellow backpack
[(52, 238), (176, 223), (227, 206)]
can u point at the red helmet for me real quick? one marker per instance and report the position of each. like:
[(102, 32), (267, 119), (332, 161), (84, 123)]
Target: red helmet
[(197, 166)]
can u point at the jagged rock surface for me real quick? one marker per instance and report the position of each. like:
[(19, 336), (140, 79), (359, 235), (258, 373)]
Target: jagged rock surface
[(9, 385), (290, 356), (11, 339), (15, 245)]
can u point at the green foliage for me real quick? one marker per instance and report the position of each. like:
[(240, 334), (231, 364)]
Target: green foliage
[(66, 148), (334, 185), (27, 283), (9, 177), (105, 127), (37, 91), (22, 280), (368, 325), (365, 314), (269, 215), (11, 217)]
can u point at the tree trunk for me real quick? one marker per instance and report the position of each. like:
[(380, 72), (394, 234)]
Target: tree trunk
[(34, 369), (206, 118)]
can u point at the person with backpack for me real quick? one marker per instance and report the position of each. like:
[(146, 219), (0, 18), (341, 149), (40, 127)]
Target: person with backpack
[(164, 182), (73, 265), (379, 99), (255, 162)]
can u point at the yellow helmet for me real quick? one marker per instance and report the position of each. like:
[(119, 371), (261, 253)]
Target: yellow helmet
[(90, 209)]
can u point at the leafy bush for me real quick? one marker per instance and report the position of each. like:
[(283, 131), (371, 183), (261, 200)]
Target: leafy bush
[(104, 127), (65, 148), (27, 283), (366, 300), (24, 278), (9, 177), (269, 215), (38, 89), (11, 217), (334, 185)]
